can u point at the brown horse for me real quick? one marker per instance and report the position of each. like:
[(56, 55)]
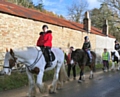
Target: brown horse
[(81, 57)]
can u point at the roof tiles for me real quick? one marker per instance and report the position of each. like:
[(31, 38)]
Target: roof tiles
[(12, 9)]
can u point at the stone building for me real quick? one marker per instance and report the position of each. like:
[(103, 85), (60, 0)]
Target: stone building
[(20, 27)]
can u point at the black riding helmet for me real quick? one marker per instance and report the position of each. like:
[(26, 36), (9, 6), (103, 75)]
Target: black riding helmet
[(115, 41), (71, 47), (86, 37), (44, 26)]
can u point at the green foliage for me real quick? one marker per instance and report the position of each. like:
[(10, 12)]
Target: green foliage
[(14, 81), (105, 13), (28, 4), (99, 15), (39, 7)]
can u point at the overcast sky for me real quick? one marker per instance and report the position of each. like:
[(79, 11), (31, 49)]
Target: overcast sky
[(60, 6)]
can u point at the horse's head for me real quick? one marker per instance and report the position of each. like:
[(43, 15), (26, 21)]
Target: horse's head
[(112, 53), (75, 56), (9, 62), (115, 55)]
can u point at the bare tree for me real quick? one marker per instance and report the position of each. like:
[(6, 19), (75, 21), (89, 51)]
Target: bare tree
[(76, 10)]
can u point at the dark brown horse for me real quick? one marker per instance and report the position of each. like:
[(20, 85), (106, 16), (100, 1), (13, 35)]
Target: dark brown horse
[(80, 57)]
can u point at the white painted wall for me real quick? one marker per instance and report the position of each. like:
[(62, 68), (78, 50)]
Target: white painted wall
[(101, 43)]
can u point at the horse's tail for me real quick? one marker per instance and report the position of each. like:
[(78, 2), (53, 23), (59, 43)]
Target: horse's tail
[(62, 77), (94, 55), (63, 74)]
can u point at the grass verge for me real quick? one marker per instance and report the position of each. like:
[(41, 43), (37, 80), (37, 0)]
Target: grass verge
[(17, 79)]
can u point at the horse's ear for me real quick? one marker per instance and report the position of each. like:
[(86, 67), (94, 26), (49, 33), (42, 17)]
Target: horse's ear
[(11, 51), (6, 49)]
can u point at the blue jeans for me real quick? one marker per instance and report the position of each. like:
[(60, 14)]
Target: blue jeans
[(89, 54)]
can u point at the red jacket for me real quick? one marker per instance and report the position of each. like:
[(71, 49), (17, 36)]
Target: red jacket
[(45, 39), (69, 58)]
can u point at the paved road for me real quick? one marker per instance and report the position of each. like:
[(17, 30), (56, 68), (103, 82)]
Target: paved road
[(103, 85)]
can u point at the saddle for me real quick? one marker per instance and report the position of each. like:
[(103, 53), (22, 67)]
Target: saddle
[(46, 54)]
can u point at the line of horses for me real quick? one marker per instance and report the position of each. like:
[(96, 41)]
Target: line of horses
[(34, 61)]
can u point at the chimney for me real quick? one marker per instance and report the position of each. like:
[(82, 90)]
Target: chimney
[(87, 22), (105, 28)]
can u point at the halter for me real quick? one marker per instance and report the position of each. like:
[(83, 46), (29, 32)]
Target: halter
[(14, 59)]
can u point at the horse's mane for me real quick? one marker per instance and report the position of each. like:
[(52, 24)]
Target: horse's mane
[(21, 49), (79, 53), (24, 48), (79, 50)]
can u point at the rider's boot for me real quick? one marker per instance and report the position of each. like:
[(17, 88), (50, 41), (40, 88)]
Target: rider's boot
[(90, 60), (49, 64), (50, 55)]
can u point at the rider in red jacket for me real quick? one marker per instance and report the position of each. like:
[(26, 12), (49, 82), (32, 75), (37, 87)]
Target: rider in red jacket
[(45, 40)]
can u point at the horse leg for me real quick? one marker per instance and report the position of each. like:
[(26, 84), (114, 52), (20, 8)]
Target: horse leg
[(42, 87), (55, 79), (32, 90), (113, 66), (81, 74), (91, 71), (118, 66)]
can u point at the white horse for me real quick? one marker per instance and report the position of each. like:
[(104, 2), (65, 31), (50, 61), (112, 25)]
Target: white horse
[(35, 62), (115, 57)]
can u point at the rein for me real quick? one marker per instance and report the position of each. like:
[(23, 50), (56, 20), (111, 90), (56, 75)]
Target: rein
[(6, 66)]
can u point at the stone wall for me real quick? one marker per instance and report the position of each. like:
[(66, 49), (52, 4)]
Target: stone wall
[(16, 32)]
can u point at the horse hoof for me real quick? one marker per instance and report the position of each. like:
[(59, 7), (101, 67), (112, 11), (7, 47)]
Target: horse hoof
[(83, 80), (113, 70), (80, 81), (117, 69), (52, 92), (68, 79), (91, 77)]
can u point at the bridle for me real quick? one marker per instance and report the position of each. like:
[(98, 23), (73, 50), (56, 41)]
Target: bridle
[(13, 60)]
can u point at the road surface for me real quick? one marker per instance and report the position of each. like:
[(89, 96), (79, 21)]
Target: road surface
[(104, 84)]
